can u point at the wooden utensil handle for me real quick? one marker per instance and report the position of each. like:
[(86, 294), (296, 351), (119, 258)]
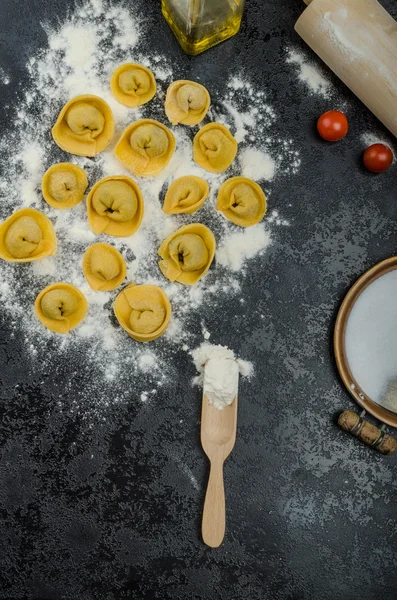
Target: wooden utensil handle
[(367, 432), (213, 525)]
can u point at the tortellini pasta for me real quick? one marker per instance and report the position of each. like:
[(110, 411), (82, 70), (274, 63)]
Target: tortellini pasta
[(115, 206), (146, 147), (61, 307), (85, 126), (187, 254), (133, 85), (185, 195), (64, 185), (104, 268), (144, 311), (214, 148), (242, 201), (26, 236), (187, 102)]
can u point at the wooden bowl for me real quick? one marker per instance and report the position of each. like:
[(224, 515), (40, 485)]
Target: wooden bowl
[(384, 415)]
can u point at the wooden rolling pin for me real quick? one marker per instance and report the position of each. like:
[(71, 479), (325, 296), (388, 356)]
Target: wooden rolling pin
[(357, 39)]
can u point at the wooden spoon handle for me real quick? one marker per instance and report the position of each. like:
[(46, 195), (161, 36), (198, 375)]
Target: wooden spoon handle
[(213, 526)]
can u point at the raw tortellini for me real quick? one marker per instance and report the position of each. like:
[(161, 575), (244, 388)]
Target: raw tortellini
[(115, 206), (187, 254), (104, 268), (242, 201), (186, 102), (214, 148), (26, 236), (133, 85), (146, 147), (185, 195), (60, 307), (85, 126), (64, 185), (144, 311)]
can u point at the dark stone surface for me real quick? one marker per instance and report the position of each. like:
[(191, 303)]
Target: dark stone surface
[(110, 512)]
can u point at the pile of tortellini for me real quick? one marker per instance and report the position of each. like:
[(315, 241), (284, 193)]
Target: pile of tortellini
[(115, 205)]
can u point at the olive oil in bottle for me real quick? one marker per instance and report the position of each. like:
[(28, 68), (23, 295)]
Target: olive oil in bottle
[(200, 24)]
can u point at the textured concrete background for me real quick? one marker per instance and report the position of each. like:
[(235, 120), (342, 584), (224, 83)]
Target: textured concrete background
[(113, 510)]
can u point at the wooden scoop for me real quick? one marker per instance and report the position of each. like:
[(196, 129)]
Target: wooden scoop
[(218, 434), (357, 39)]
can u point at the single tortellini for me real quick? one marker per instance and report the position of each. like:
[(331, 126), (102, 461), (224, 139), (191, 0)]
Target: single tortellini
[(115, 206), (242, 201), (214, 148), (187, 254), (144, 311), (187, 102), (60, 307), (185, 195), (104, 268), (146, 147), (26, 236), (133, 85), (64, 185), (85, 126)]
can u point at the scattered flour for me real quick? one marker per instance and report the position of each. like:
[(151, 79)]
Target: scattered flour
[(4, 78), (80, 57), (243, 245), (257, 165), (311, 75)]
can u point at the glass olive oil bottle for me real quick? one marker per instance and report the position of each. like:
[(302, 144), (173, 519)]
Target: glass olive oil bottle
[(200, 24)]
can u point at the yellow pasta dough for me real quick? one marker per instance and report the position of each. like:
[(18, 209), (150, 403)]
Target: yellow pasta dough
[(187, 254), (186, 102), (26, 236), (214, 148), (104, 268), (242, 201), (85, 126), (60, 307), (115, 206), (133, 85), (144, 311), (185, 195), (146, 147), (64, 185)]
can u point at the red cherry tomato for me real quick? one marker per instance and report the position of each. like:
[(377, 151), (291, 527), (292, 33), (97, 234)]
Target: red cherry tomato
[(378, 158), (333, 125)]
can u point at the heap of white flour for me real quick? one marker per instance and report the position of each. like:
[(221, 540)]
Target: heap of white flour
[(219, 371)]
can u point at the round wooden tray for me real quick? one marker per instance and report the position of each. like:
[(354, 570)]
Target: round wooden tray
[(351, 384)]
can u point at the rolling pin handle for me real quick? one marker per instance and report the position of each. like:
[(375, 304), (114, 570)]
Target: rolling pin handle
[(366, 432)]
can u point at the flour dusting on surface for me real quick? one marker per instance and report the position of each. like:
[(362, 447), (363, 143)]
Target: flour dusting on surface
[(99, 350), (310, 74)]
